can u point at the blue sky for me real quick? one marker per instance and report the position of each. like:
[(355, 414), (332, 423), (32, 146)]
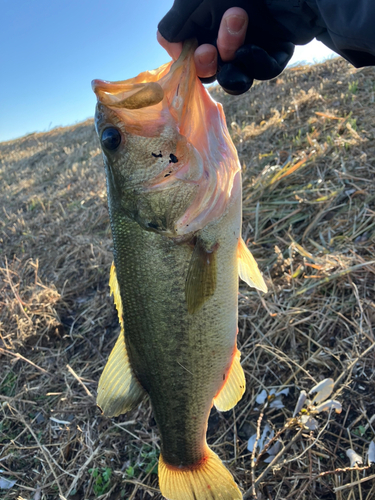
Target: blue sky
[(52, 49)]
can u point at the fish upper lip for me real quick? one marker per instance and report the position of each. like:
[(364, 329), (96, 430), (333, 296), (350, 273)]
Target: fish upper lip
[(128, 95)]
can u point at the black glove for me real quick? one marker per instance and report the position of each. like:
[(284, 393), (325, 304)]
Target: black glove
[(263, 56)]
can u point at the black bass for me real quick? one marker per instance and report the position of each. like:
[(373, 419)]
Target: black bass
[(174, 196)]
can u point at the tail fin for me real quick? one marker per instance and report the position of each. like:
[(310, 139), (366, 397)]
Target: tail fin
[(208, 480)]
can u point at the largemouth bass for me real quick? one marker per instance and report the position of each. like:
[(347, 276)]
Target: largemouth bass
[(174, 197)]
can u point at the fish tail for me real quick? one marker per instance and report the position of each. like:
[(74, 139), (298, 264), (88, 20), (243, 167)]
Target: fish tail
[(207, 480)]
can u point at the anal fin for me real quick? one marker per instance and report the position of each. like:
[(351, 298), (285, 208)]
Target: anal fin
[(234, 387), (248, 268)]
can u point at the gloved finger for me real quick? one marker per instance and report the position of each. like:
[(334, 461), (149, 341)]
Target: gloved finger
[(233, 80), (262, 64), (209, 79), (281, 52), (177, 25)]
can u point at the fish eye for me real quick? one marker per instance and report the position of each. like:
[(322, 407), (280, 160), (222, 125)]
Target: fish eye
[(111, 138)]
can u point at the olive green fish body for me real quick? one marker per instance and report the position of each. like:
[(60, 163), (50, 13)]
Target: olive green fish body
[(180, 359)]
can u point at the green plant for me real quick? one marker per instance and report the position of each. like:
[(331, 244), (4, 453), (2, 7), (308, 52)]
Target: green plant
[(353, 87), (7, 388), (148, 464), (298, 138), (102, 478)]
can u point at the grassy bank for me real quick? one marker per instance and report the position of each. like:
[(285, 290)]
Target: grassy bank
[(306, 142)]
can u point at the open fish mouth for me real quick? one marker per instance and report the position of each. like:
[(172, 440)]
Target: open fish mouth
[(173, 97)]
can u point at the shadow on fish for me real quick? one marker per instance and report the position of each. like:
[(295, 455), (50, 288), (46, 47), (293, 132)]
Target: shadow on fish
[(174, 197)]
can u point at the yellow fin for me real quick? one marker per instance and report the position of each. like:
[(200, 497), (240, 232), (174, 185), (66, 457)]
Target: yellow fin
[(234, 387), (207, 480), (201, 277), (115, 291), (119, 391), (248, 268)]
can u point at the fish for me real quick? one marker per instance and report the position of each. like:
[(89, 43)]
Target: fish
[(174, 197)]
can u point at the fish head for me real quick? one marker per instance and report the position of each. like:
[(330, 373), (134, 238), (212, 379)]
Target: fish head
[(169, 159)]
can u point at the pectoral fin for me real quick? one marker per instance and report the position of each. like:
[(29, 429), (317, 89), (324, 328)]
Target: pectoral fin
[(233, 388), (119, 391), (248, 268), (201, 277)]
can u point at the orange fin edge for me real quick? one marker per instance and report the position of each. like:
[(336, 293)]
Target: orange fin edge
[(204, 481)]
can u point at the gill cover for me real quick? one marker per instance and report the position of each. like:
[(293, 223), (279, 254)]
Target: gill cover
[(174, 94)]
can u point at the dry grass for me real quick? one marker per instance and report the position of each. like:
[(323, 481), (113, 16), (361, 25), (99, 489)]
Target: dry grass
[(307, 144)]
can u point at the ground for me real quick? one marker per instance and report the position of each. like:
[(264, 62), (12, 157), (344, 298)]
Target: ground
[(306, 144)]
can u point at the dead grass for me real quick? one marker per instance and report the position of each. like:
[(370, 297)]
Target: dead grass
[(306, 141)]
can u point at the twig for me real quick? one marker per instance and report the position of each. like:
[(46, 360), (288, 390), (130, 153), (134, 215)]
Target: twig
[(84, 466), (343, 469), (271, 442), (355, 483), (138, 438), (353, 363), (79, 380), (15, 293), (17, 355), (253, 463), (249, 492), (44, 450), (7, 398)]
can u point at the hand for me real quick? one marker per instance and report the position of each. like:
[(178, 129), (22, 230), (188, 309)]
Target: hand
[(247, 47), (231, 36)]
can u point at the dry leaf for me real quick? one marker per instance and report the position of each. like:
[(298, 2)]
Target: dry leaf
[(323, 390), (301, 401), (329, 405), (371, 453), (354, 458)]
